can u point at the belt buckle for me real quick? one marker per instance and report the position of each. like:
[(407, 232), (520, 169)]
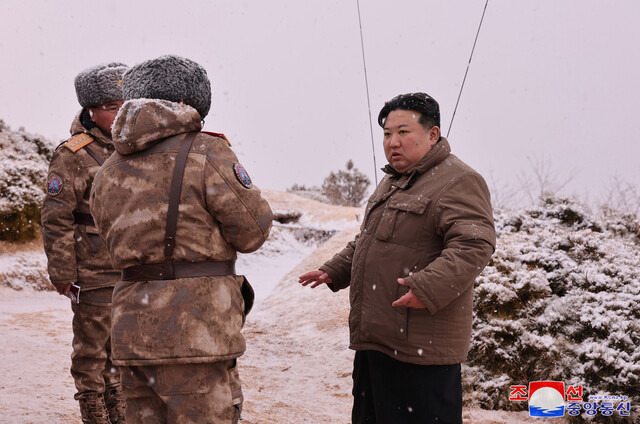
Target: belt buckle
[(167, 272)]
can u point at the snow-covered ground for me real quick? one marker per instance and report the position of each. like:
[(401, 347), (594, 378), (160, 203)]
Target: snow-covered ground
[(297, 367)]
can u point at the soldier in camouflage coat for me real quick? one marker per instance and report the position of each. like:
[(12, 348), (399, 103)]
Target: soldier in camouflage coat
[(177, 339), (76, 254)]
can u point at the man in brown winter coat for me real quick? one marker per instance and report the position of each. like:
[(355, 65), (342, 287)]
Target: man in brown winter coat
[(179, 309), (76, 254), (427, 234)]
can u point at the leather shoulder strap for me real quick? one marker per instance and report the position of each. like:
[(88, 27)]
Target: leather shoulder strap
[(94, 155), (174, 196)]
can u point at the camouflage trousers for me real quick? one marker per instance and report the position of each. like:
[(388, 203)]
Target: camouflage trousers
[(91, 365), (183, 393)]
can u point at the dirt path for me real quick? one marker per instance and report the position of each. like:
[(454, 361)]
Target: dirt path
[(35, 384)]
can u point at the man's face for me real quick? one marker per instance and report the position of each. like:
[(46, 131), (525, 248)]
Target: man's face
[(406, 141), (104, 114)]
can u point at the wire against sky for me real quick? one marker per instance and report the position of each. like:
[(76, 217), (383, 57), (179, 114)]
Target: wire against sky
[(366, 83), (467, 71)]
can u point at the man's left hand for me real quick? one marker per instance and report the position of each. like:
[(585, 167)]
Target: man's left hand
[(410, 300)]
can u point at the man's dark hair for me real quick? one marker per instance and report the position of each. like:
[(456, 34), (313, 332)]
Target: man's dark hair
[(420, 102)]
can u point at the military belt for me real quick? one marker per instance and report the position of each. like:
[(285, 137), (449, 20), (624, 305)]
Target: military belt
[(83, 218), (173, 271)]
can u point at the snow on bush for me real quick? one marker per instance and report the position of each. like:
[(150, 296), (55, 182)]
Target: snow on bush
[(25, 270), (313, 193), (560, 300), (23, 172)]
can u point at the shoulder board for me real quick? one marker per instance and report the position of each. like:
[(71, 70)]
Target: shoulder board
[(77, 142), (219, 135)]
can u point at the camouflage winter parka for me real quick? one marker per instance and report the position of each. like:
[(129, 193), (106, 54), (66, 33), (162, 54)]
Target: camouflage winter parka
[(187, 320), (75, 251)]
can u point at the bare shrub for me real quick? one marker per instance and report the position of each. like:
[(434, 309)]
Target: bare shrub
[(544, 181)]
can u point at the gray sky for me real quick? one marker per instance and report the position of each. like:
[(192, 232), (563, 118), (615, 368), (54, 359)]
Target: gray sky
[(551, 81)]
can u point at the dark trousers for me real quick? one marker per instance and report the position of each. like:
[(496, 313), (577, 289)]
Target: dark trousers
[(388, 391)]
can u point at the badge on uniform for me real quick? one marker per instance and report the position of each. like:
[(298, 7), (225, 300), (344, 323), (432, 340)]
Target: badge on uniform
[(77, 142), (242, 175), (54, 186)]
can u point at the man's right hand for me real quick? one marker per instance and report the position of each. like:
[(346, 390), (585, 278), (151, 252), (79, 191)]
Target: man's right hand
[(315, 278), (63, 289)]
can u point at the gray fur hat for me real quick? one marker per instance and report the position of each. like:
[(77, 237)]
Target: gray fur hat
[(172, 78), (100, 84)]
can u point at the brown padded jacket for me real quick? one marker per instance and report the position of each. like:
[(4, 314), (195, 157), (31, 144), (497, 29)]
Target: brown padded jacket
[(432, 226)]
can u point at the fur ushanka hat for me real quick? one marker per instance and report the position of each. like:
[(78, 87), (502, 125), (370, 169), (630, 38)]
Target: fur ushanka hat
[(172, 78), (100, 84)]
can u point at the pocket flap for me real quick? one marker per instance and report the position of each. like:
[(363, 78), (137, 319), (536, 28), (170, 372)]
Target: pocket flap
[(409, 203)]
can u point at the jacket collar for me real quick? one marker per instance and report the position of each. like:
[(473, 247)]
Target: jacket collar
[(437, 154), (77, 127), (141, 123)]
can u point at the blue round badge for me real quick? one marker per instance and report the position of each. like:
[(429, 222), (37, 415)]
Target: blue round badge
[(242, 175), (54, 186)]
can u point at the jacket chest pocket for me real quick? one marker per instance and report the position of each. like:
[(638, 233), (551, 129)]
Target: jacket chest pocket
[(402, 219)]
